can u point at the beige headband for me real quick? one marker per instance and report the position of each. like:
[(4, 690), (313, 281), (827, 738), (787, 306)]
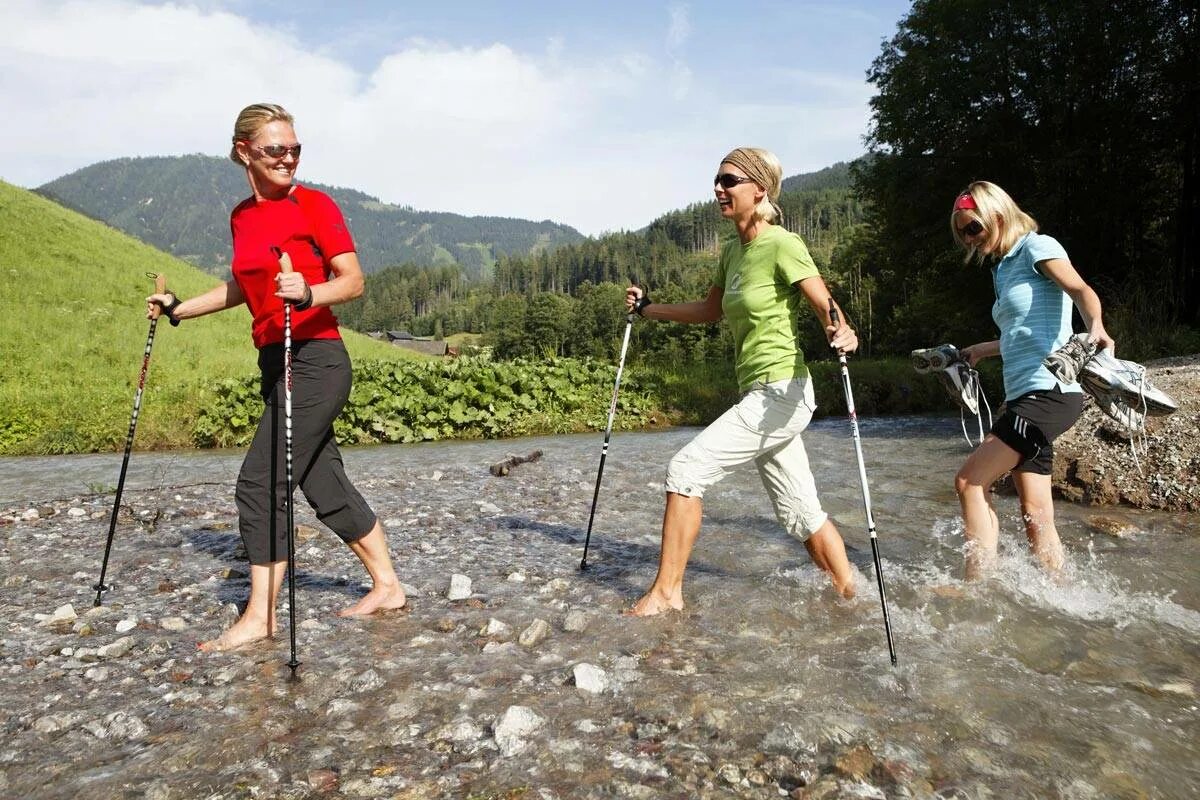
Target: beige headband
[(756, 170)]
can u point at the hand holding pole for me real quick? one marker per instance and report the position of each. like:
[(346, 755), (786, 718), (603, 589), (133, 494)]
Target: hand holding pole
[(285, 265), (866, 491), (612, 412), (160, 287)]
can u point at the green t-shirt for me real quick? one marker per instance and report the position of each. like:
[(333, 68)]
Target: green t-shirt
[(761, 304)]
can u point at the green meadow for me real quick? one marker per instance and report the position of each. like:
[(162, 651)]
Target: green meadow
[(74, 332)]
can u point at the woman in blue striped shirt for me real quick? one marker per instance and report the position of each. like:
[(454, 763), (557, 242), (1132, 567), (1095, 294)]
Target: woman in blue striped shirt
[(1036, 286)]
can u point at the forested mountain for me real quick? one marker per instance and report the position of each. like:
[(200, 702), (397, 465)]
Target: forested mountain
[(181, 204), (569, 301)]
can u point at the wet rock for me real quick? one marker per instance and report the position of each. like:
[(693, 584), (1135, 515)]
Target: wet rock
[(511, 732), (63, 614), (857, 763), (537, 631), (116, 649), (173, 624), (1111, 526), (497, 629), (460, 587), (304, 533), (787, 739), (516, 577), (58, 721), (322, 780), (730, 774), (590, 678), (1184, 689), (126, 625), (117, 725), (575, 621), (556, 586), (366, 682)]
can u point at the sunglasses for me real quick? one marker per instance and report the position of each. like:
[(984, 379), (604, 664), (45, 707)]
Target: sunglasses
[(727, 180), (972, 228), (278, 150)]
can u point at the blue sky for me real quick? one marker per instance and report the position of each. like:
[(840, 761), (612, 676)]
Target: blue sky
[(598, 115)]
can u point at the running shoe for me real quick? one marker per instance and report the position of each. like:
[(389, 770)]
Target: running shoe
[(962, 383), (934, 359), (1105, 375), (1066, 362)]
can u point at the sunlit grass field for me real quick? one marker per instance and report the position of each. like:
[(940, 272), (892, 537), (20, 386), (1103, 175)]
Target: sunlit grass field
[(73, 331)]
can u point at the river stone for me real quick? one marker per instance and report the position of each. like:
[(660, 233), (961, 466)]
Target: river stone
[(497, 628), (126, 625), (537, 631), (118, 725), (1111, 526), (575, 621), (115, 649), (590, 678), (64, 613), (517, 723), (730, 774), (366, 682), (173, 624), (460, 587), (322, 780)]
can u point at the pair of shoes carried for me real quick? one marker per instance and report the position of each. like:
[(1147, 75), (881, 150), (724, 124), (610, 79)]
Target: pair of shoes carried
[(934, 359)]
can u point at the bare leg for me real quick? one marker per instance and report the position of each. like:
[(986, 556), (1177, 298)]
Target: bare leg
[(258, 620), (828, 552), (1037, 508), (386, 593), (973, 483), (681, 526)]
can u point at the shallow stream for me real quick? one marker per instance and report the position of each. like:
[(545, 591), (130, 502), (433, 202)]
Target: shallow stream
[(766, 685)]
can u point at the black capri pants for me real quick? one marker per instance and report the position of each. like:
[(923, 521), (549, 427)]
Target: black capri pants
[(321, 378)]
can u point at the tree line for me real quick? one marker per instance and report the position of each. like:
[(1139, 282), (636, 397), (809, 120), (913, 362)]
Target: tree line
[(1088, 113)]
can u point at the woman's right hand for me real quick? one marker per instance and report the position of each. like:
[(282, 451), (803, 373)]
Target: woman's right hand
[(157, 303), (632, 295)]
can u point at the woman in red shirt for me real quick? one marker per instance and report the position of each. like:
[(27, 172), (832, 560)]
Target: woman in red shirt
[(281, 216)]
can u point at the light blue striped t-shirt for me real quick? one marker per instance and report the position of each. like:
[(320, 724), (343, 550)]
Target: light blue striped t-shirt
[(1033, 314)]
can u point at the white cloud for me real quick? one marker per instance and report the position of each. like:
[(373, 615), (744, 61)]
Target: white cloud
[(596, 142)]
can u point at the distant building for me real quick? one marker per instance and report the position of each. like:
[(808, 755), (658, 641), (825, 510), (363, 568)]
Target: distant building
[(420, 344)]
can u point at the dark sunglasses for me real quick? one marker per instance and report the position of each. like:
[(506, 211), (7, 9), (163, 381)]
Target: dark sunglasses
[(727, 180), (972, 228), (278, 150)]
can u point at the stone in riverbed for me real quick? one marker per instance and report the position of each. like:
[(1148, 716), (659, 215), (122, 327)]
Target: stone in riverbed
[(497, 628), (173, 624), (517, 723), (115, 649), (537, 631), (590, 678), (460, 587), (576, 621), (62, 614), (126, 625)]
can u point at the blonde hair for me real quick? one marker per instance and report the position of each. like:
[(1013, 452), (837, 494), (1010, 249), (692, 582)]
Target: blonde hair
[(1000, 216), (761, 166), (251, 120)]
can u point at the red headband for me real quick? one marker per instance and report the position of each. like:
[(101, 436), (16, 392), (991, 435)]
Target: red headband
[(965, 202)]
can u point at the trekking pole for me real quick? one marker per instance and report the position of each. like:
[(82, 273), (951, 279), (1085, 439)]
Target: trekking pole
[(866, 491), (285, 265), (160, 287), (612, 412)]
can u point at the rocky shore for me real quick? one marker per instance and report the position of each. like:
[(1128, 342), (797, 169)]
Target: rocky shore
[(1097, 463)]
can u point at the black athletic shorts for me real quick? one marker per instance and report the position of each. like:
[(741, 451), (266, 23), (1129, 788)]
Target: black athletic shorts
[(1032, 422)]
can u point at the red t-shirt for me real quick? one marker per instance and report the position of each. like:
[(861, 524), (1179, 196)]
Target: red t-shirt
[(306, 225)]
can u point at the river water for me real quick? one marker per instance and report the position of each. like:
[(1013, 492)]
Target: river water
[(766, 685)]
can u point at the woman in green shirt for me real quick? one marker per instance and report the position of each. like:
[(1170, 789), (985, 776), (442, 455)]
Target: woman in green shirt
[(758, 285)]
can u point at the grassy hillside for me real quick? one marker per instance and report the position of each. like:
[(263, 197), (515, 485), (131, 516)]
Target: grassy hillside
[(181, 205), (74, 330)]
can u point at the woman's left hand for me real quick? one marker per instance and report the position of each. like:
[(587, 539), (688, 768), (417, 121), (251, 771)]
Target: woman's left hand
[(1103, 341), (842, 337), (291, 287)]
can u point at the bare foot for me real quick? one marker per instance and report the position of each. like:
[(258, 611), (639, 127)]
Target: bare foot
[(380, 598), (654, 603), (243, 632)]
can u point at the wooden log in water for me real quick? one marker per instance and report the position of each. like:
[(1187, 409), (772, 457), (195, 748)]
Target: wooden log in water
[(501, 468)]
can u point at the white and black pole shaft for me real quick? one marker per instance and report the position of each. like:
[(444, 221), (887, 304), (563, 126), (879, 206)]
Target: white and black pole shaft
[(866, 491), (285, 265), (160, 287), (612, 413)]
